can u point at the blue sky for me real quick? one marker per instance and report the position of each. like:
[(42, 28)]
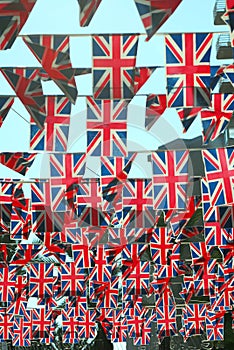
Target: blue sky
[(113, 16)]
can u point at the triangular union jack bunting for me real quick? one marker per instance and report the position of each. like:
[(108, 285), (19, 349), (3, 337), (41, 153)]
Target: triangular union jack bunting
[(52, 51), (142, 74), (13, 15), (5, 106), (87, 10), (19, 162), (187, 116), (154, 13), (155, 107), (114, 61), (26, 82)]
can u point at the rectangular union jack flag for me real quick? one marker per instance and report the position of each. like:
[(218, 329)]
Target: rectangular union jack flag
[(166, 321), (66, 171), (214, 325), (73, 279), (41, 321), (210, 213), (188, 69), (119, 331), (114, 61), (137, 282), (170, 179), (194, 316), (106, 127), (87, 325), (22, 331), (161, 246), (6, 325), (41, 279), (216, 118), (137, 202), (54, 135), (219, 170)]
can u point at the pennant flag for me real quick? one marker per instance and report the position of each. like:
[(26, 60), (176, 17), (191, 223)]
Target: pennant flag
[(142, 74), (13, 15), (52, 51), (166, 321), (106, 127), (87, 10), (187, 116), (188, 69), (6, 103), (155, 106), (26, 82), (170, 179), (216, 118), (154, 13), (219, 171), (114, 61), (19, 162), (54, 135)]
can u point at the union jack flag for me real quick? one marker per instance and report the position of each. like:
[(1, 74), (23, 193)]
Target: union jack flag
[(216, 118), (187, 116), (41, 280), (52, 51), (13, 17), (87, 10), (219, 171), (199, 252), (72, 279), (22, 331), (26, 83), (19, 162), (110, 295), (214, 325), (188, 69), (155, 107), (154, 13), (69, 323), (137, 282), (89, 205), (5, 106), (145, 337), (105, 317), (215, 235), (210, 213), (204, 274), (7, 285), (66, 171), (160, 246), (54, 136), (228, 18), (25, 253), (106, 127), (170, 179), (135, 320), (41, 321), (194, 316), (138, 203), (119, 331), (87, 325), (114, 172), (166, 321), (81, 255), (6, 325), (114, 60)]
